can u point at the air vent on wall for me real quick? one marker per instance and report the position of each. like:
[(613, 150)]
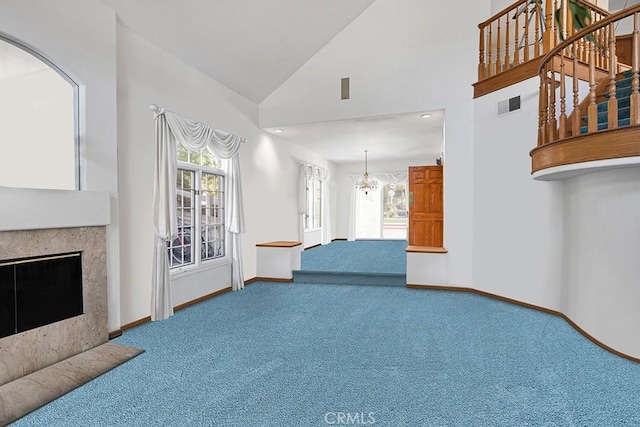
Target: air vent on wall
[(344, 88), (509, 105)]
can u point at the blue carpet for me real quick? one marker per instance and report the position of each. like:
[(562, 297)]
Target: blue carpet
[(288, 355), (361, 256)]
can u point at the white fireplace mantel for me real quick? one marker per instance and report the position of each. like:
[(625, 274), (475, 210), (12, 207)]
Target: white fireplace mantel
[(33, 209)]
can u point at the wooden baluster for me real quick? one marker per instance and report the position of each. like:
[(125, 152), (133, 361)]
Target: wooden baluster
[(575, 116), (536, 42), (592, 110), (526, 34), (507, 58), (498, 41), (635, 95), (602, 54), (516, 40), (548, 30), (570, 29), (490, 52), (552, 127), (556, 31), (482, 72), (604, 42), (562, 131), (542, 114), (564, 13), (612, 114)]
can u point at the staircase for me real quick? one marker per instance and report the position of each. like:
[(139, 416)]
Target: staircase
[(623, 94)]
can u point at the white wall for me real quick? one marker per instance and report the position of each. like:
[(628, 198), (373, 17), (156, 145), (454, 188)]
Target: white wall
[(401, 57), (149, 75), (517, 222), (602, 243), (79, 37)]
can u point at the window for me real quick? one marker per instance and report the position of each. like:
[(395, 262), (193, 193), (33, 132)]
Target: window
[(313, 220), (200, 210), (382, 214), (38, 106)]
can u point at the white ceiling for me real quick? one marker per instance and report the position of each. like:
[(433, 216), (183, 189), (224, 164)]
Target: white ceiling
[(253, 46), (250, 46), (394, 137)]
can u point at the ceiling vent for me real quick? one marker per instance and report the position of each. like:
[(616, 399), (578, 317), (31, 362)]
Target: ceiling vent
[(509, 105)]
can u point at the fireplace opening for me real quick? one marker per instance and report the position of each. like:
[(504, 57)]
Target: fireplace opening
[(38, 291)]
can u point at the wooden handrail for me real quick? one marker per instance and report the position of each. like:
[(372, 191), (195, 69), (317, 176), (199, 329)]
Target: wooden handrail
[(518, 3), (596, 44), (499, 51), (586, 31)]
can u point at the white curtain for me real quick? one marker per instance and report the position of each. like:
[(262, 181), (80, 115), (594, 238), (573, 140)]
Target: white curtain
[(323, 175), (170, 129), (308, 172), (395, 178), (304, 171)]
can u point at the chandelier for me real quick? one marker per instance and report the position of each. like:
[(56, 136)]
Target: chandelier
[(366, 184)]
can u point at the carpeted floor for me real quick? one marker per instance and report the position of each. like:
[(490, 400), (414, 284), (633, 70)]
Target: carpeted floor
[(300, 355), (360, 256)]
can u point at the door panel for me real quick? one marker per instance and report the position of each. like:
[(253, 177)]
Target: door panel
[(426, 210)]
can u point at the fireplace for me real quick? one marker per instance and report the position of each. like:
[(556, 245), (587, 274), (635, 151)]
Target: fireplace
[(38, 291)]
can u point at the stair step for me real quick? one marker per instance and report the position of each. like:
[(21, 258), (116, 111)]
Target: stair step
[(621, 93), (345, 278), (604, 126), (626, 82), (622, 103), (623, 113)]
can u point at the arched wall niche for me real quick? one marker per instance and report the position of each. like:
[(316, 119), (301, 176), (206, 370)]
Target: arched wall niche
[(38, 121)]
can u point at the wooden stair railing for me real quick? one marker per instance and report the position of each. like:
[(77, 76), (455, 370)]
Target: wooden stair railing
[(521, 33), (563, 136)]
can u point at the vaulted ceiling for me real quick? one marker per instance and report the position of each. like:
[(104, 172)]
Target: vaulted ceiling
[(250, 46), (253, 46)]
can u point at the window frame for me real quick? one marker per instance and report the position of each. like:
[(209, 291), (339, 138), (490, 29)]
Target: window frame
[(198, 263)]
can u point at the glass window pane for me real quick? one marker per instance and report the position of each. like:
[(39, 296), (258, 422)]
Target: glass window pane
[(183, 154), (207, 158), (394, 207)]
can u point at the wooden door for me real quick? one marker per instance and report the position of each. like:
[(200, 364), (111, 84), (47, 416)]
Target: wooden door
[(426, 210)]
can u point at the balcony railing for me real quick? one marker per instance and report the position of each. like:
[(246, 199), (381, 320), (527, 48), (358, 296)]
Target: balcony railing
[(523, 32), (580, 117)]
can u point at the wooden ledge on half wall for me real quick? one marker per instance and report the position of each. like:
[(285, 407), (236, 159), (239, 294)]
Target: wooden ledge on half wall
[(279, 244), (426, 249)]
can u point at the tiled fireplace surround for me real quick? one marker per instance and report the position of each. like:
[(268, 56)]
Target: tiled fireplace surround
[(40, 365), (32, 350)]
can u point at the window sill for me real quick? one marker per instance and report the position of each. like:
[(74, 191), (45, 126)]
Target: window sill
[(190, 270), (310, 230)]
